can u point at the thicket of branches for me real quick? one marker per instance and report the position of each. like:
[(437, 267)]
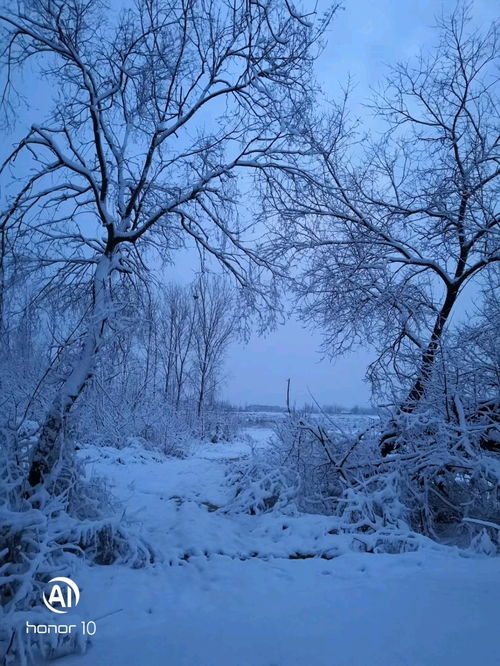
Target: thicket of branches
[(154, 386), (390, 234), (161, 382), (124, 168), (102, 188), (396, 241)]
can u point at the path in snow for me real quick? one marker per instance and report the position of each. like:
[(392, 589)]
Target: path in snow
[(419, 609)]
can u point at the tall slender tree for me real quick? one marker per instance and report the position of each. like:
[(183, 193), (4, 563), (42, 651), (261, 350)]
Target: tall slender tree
[(216, 325)]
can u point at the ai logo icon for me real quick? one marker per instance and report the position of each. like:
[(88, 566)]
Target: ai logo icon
[(64, 594)]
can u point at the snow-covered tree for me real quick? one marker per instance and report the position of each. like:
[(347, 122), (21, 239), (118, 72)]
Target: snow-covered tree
[(389, 232), (216, 325), (155, 112), (177, 325)]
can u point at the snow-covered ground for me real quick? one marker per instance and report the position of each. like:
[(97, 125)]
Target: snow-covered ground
[(225, 593)]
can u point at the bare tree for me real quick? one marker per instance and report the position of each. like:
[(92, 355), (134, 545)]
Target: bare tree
[(388, 244), (126, 162), (178, 322), (216, 324)]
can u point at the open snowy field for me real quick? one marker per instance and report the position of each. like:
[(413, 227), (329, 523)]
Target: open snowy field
[(225, 592)]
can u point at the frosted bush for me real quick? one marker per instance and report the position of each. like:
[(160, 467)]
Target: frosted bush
[(437, 477), (45, 533)]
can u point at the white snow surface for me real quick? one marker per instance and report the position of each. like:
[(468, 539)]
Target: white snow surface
[(226, 606)]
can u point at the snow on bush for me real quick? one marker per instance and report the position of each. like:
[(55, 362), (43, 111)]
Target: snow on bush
[(438, 483), (45, 533)]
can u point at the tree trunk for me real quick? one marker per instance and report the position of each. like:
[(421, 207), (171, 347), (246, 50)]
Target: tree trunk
[(48, 450), (201, 394), (388, 440), (419, 388)]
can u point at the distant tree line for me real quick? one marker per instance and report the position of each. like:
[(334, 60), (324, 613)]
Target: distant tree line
[(312, 408)]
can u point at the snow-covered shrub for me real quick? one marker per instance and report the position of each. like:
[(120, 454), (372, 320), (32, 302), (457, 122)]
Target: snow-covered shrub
[(44, 533), (482, 544), (437, 482), (262, 487), (322, 455), (448, 478), (149, 419)]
